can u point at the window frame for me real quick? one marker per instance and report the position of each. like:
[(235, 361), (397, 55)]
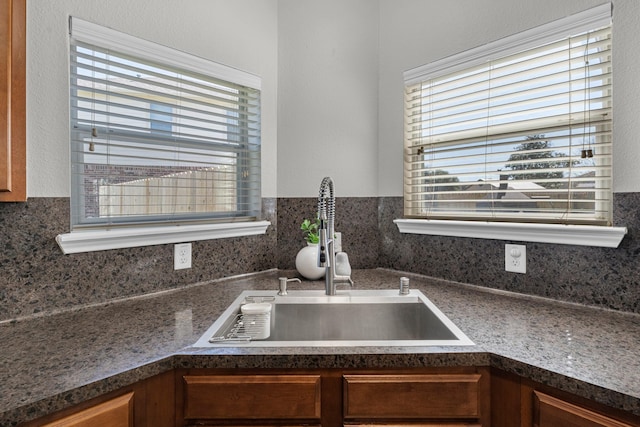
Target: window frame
[(106, 236), (591, 235)]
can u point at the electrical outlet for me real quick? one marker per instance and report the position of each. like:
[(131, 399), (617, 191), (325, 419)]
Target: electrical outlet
[(515, 258), (182, 256)]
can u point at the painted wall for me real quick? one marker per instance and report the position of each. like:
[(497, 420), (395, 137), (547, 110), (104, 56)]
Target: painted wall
[(332, 75), (206, 28), (327, 96), (326, 75), (415, 32)]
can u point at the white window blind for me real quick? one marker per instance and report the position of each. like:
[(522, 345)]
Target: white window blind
[(518, 130), (157, 135)]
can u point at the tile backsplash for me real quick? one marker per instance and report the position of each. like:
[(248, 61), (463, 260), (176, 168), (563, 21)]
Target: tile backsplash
[(356, 219), (36, 277), (602, 277)]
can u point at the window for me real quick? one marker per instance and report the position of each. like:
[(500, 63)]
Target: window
[(165, 146), (159, 136), (518, 130)]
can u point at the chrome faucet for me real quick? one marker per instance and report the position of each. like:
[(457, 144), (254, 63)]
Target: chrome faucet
[(326, 245)]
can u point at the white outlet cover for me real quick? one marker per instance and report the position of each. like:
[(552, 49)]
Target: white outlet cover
[(182, 256), (515, 258)]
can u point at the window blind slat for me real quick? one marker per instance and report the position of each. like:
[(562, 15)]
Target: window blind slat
[(141, 120), (553, 133), (177, 90)]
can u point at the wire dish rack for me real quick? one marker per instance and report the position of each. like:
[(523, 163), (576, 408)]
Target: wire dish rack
[(246, 326)]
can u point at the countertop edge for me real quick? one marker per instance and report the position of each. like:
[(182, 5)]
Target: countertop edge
[(188, 358), (546, 341)]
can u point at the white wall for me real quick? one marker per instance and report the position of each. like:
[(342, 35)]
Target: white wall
[(332, 76), (238, 33), (416, 32), (327, 96)]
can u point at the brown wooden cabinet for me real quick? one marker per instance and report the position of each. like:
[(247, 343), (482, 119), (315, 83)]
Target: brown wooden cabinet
[(333, 397), (276, 398), (520, 402), (116, 412), (148, 403), (428, 397), (13, 100), (549, 411), (415, 397)]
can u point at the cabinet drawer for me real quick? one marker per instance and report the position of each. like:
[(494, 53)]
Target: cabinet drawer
[(116, 412), (252, 397), (552, 412), (413, 424), (412, 396)]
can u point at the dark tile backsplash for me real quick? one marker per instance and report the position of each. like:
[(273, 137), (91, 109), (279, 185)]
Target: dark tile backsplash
[(356, 219), (36, 277), (603, 277)]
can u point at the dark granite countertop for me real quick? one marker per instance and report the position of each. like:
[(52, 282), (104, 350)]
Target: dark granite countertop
[(54, 361)]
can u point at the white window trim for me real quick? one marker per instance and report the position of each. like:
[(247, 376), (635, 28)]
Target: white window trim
[(583, 235), (128, 237), (125, 43), (100, 240), (564, 234), (582, 21)]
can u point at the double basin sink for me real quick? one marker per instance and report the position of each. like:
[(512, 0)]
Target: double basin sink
[(350, 318)]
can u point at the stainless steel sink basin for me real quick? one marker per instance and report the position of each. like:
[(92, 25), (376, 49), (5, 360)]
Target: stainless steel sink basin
[(351, 318)]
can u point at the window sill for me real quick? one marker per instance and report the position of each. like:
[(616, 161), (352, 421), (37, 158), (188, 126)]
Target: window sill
[(583, 235), (99, 240)]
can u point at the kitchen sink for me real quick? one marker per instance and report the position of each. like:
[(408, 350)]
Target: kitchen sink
[(350, 318)]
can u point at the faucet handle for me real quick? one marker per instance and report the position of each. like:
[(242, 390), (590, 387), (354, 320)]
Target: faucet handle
[(282, 284), (324, 258), (342, 267)]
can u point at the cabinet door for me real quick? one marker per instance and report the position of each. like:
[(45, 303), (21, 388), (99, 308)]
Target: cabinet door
[(116, 412), (549, 411), (423, 396), (252, 397), (13, 100)]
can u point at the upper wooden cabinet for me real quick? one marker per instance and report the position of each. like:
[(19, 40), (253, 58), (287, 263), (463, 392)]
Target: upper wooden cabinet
[(13, 185)]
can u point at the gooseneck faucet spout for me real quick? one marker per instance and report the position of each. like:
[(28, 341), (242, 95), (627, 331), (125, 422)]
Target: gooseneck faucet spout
[(326, 215), (326, 245)]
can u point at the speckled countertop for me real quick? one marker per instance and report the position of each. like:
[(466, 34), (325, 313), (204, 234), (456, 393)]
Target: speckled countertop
[(51, 362)]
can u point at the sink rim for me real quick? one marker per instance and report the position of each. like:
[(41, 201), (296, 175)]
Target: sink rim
[(351, 296)]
